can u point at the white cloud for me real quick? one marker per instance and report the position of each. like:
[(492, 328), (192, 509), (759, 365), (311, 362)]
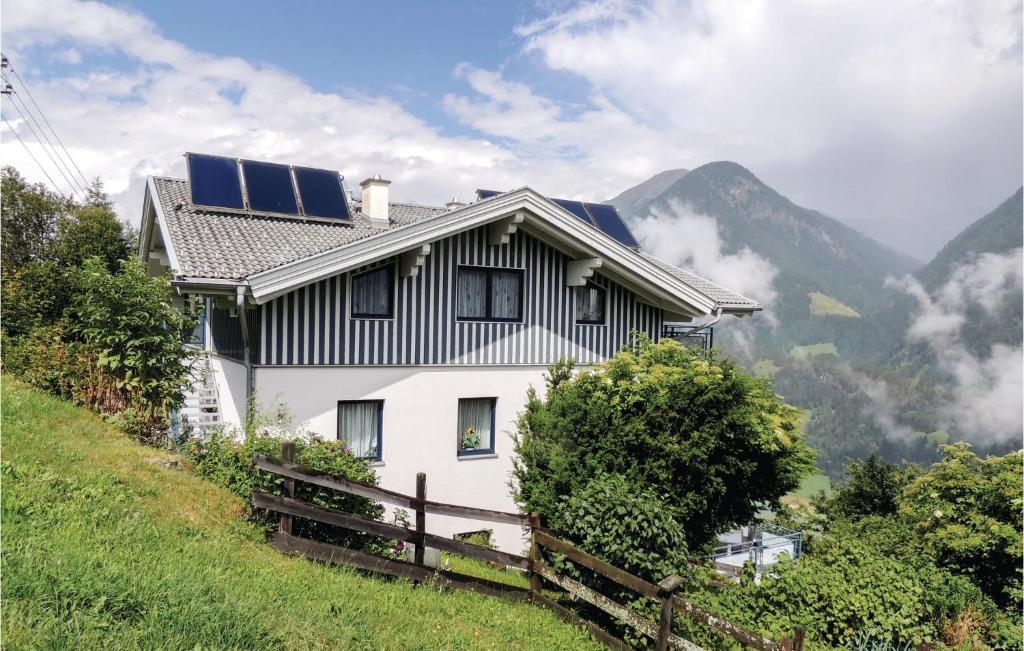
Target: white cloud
[(125, 124), (692, 241), (898, 115), (987, 402)]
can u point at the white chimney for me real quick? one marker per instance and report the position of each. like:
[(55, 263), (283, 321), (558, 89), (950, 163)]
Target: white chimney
[(375, 201), (454, 204)]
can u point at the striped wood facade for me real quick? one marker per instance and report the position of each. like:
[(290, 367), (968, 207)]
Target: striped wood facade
[(311, 325)]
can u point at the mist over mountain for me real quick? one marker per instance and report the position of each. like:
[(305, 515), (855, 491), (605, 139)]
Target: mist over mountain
[(887, 354)]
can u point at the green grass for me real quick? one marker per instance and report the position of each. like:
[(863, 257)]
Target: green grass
[(104, 549), (825, 305), (814, 350), (808, 488)]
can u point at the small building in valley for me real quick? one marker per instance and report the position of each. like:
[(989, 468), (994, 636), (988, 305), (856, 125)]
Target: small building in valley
[(412, 332)]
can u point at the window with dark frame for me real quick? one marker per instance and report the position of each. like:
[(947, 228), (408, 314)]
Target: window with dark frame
[(489, 294), (590, 304), (373, 293), (476, 426), (361, 426)]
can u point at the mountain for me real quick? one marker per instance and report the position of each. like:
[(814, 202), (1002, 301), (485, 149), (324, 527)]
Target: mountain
[(836, 344), (633, 200), (997, 232), (828, 273)]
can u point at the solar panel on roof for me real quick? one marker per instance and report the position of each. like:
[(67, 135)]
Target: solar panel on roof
[(322, 193), (576, 208), (607, 218), (486, 194), (269, 187), (213, 181)]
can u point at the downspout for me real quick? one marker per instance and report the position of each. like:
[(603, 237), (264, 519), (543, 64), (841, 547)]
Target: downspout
[(694, 330), (243, 322)]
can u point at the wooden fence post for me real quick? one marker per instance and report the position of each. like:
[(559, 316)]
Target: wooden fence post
[(421, 516), (288, 456), (666, 588), (535, 584)]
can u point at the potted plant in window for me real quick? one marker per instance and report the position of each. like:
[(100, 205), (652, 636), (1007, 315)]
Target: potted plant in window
[(470, 440)]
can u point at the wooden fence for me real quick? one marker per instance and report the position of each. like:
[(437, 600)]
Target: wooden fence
[(666, 592)]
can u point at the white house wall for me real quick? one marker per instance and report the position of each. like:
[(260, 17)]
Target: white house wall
[(311, 326), (420, 428)]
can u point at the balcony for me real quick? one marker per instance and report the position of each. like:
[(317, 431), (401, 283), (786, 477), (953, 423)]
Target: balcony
[(703, 340)]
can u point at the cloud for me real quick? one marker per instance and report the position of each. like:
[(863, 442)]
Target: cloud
[(844, 107), (136, 120), (692, 241), (987, 401)]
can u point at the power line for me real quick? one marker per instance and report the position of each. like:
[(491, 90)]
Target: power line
[(71, 185), (24, 86), (52, 152), (29, 151)]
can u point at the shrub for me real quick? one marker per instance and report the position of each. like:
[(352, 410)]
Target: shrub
[(665, 418), (968, 512), (138, 335), (222, 459), (852, 586), (631, 529)]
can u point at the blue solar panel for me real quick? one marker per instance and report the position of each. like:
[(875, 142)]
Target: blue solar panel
[(213, 181), (322, 193), (607, 219), (486, 194), (576, 208), (269, 187)]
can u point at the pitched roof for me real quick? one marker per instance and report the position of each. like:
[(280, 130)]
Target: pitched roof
[(218, 245), (721, 295), (232, 246)]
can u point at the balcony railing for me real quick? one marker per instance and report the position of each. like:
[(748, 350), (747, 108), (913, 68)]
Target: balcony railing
[(704, 339)]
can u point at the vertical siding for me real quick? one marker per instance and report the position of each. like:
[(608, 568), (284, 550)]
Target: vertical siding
[(312, 326)]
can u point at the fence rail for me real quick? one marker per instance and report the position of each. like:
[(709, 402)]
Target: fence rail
[(665, 592)]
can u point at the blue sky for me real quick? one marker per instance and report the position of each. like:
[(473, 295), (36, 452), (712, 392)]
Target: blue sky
[(846, 108)]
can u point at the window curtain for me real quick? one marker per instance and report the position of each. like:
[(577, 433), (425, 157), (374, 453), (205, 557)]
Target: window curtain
[(472, 293), (358, 424), (371, 291), (506, 294), (476, 414), (590, 304)]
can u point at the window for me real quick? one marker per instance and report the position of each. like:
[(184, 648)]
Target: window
[(476, 426), (373, 293), (590, 304), (360, 426), (490, 294)]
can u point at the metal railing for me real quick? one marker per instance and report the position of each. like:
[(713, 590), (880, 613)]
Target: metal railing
[(704, 339), (763, 538)]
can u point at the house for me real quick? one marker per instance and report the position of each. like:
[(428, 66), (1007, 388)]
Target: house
[(412, 332)]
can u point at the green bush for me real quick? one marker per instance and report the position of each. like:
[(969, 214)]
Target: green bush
[(138, 335), (853, 585), (967, 511), (225, 461), (631, 529), (669, 419)]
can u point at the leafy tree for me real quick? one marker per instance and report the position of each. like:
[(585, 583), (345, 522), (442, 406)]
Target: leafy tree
[(968, 512), (873, 487), (128, 318), (697, 429), (29, 222), (44, 240)]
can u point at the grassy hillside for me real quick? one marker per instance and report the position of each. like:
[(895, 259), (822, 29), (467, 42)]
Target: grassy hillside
[(105, 547)]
